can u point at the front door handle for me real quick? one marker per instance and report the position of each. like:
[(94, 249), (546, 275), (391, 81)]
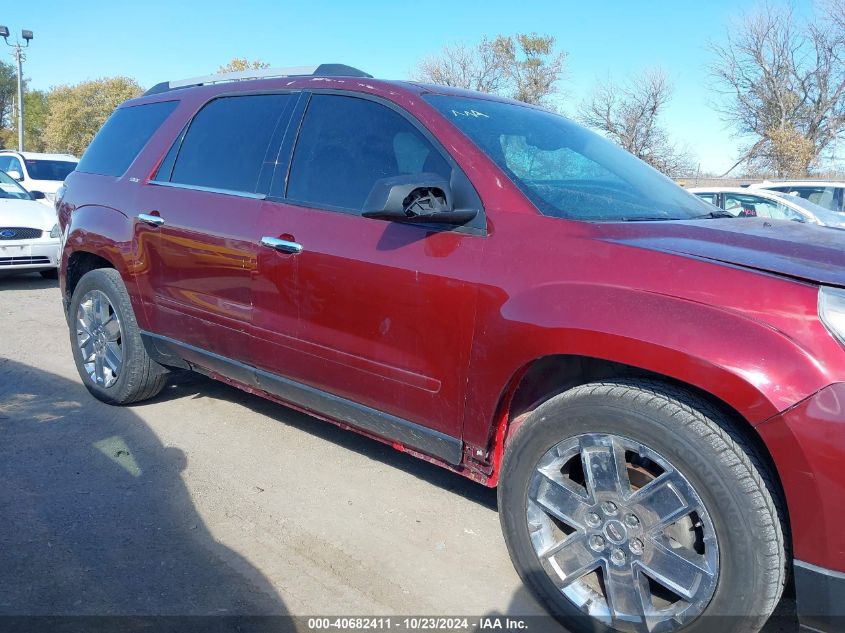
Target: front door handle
[(152, 220), (283, 246)]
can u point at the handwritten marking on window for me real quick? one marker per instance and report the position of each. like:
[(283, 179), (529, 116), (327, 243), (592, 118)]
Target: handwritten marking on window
[(473, 113)]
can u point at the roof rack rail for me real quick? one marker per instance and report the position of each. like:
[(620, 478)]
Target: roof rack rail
[(323, 70)]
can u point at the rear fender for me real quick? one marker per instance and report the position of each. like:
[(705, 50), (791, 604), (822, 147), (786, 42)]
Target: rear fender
[(107, 233)]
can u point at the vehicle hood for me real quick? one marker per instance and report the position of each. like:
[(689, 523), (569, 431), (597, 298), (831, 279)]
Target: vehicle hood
[(802, 251), (26, 213)]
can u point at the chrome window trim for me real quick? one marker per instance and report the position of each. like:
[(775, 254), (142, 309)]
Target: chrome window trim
[(225, 192)]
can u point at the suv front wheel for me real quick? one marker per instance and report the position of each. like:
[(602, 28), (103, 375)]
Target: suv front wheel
[(636, 506), (106, 342)]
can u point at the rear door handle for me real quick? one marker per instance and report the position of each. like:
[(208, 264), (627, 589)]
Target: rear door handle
[(283, 246), (152, 220)]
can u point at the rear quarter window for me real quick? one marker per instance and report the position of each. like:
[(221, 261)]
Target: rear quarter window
[(122, 137), (227, 143)]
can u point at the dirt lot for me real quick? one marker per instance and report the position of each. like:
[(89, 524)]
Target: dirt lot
[(210, 501)]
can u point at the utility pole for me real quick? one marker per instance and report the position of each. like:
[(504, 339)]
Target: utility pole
[(20, 56)]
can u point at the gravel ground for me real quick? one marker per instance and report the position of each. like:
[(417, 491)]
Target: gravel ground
[(209, 501)]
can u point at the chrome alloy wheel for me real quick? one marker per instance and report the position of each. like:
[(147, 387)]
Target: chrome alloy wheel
[(99, 335), (622, 534)]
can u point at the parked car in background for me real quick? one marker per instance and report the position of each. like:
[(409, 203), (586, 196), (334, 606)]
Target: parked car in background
[(29, 233), (745, 202), (657, 391), (827, 194), (38, 172)]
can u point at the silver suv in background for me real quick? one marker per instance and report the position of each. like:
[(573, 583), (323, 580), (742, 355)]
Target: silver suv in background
[(747, 202), (825, 193)]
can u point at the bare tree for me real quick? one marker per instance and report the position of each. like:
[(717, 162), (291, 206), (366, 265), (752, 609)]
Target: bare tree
[(460, 66), (784, 86), (630, 115), (523, 66)]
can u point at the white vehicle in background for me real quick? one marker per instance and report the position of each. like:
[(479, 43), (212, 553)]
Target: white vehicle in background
[(825, 193), (29, 231), (38, 172), (747, 202)]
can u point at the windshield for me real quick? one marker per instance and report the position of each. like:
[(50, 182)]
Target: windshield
[(39, 169), (566, 170), (9, 188)]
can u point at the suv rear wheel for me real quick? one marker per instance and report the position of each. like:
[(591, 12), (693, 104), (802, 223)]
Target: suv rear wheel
[(106, 342), (636, 506)]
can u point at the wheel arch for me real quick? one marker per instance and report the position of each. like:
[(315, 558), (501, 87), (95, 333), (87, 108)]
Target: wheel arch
[(98, 237), (542, 378), (78, 264)]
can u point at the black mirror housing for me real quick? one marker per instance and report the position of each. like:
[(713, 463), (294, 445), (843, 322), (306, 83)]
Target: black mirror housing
[(391, 194), (414, 198), (37, 195)]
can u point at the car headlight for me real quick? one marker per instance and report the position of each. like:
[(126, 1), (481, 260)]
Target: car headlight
[(832, 311), (55, 231)]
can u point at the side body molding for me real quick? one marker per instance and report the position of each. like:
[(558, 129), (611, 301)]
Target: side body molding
[(414, 436)]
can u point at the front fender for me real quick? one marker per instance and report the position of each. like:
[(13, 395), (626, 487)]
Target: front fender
[(750, 364)]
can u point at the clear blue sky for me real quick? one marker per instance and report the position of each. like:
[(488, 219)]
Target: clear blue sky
[(155, 40)]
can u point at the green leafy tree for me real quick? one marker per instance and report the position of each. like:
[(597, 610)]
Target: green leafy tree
[(239, 64), (531, 66), (75, 113), (35, 118), (8, 92), (35, 113)]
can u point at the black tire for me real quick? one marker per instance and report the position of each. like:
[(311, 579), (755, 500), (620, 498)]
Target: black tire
[(140, 377), (703, 444), (52, 273)]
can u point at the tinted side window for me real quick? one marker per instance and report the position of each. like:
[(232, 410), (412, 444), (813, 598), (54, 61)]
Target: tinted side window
[(4, 163), (749, 205), (709, 197), (15, 165), (165, 170), (346, 144), (122, 137), (822, 196), (227, 142)]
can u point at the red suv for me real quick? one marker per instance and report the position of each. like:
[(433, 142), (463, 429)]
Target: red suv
[(656, 390)]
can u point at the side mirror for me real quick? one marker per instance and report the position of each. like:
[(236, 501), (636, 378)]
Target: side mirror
[(14, 173), (415, 198), (37, 195)]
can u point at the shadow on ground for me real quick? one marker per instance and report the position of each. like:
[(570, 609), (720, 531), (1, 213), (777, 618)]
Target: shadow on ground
[(95, 519), (194, 385), (25, 281)]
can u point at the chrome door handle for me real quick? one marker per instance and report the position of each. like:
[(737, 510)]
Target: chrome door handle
[(152, 220), (283, 246)]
